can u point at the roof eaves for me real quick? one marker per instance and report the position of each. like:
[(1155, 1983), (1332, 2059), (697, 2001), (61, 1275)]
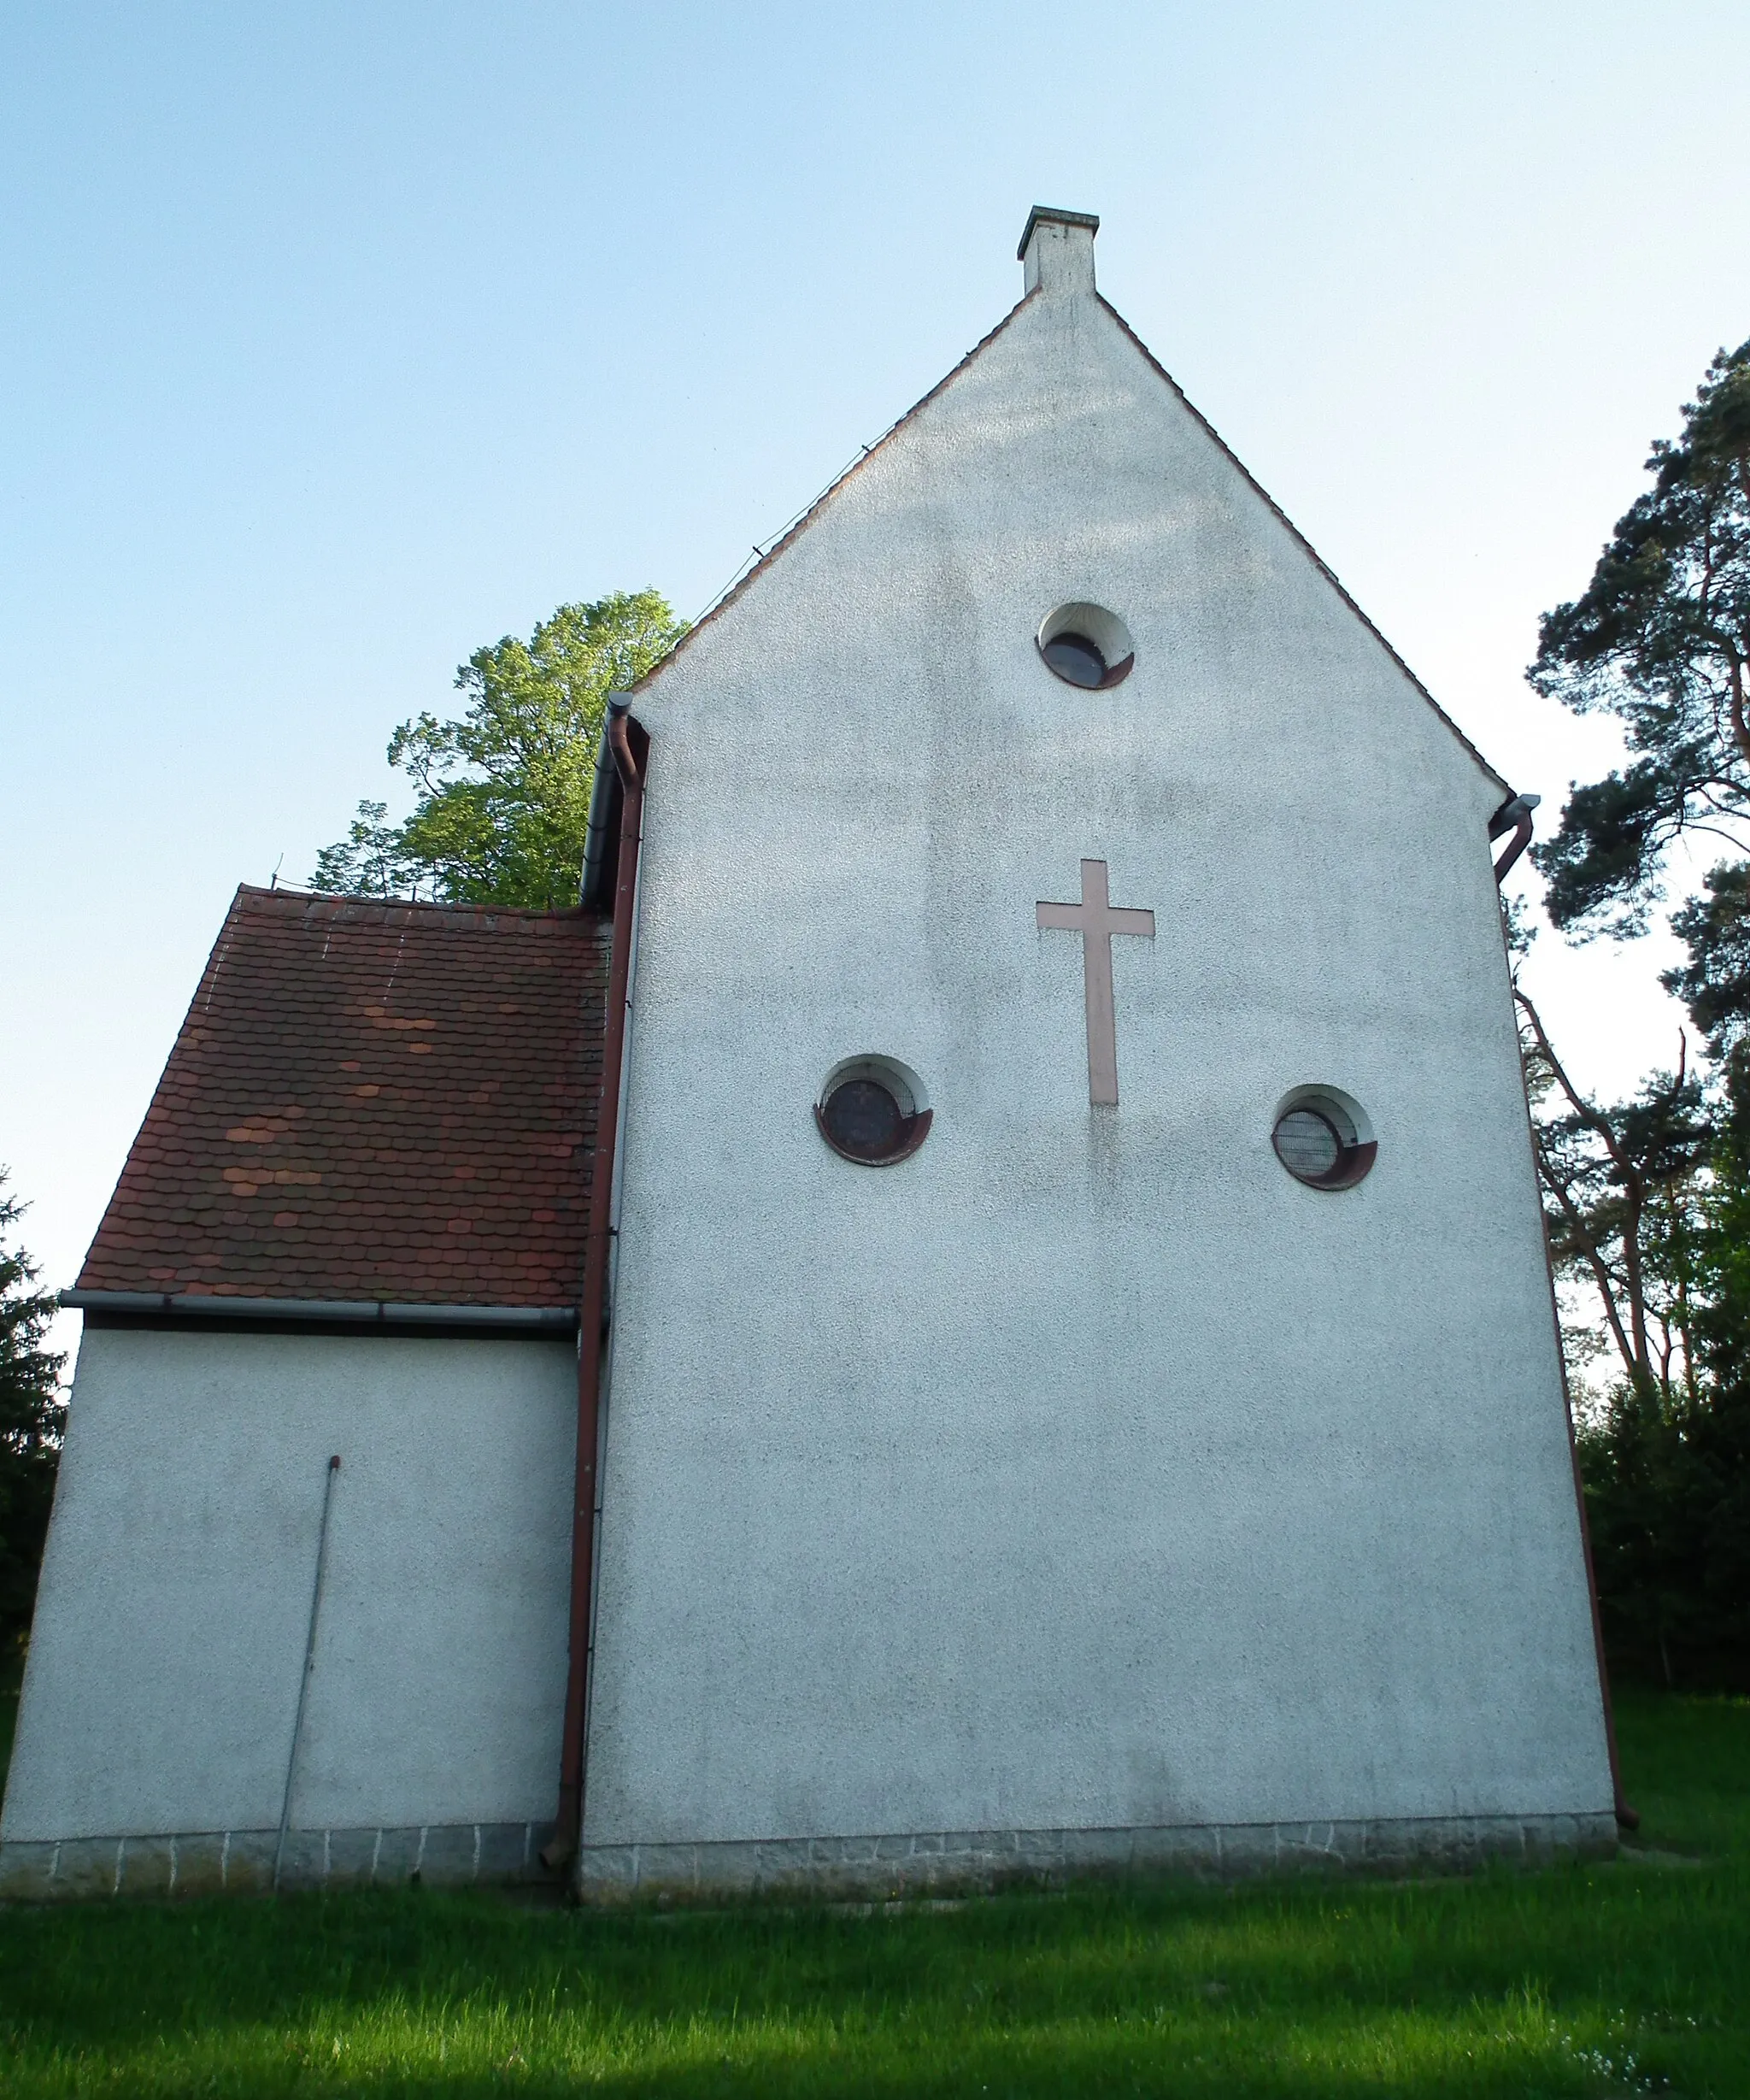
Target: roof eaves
[(1306, 545), (219, 1305)]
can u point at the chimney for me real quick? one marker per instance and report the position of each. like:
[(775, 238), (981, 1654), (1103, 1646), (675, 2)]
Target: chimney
[(1057, 249)]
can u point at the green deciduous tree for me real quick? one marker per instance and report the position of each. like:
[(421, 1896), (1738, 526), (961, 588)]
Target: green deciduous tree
[(503, 790), (1667, 1467), (1619, 1184), (1661, 640), (370, 860), (1648, 1200), (32, 1415)]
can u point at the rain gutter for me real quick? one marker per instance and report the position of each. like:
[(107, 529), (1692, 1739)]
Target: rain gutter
[(601, 835), (325, 1312)]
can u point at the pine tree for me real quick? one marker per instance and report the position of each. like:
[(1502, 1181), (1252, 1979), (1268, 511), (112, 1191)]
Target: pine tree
[(1660, 639), (33, 1417)]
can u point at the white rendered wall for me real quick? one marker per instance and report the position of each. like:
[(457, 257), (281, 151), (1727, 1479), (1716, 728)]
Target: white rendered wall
[(1085, 1469), (165, 1658)]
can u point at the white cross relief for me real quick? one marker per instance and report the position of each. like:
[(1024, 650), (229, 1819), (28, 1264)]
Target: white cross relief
[(1096, 921)]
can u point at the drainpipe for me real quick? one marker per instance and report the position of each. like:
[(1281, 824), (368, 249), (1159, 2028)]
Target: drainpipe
[(1516, 813), (629, 771), (1628, 1818)]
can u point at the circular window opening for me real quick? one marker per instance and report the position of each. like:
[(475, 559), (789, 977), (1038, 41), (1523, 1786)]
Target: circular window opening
[(1324, 1138), (1086, 645), (872, 1110), (1075, 660)]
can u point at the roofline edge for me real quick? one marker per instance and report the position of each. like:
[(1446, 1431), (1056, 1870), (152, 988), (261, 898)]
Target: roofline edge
[(804, 518), (1311, 553)]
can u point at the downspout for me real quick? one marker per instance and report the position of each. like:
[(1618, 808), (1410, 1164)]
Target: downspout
[(1628, 1818), (1518, 813), (629, 773)]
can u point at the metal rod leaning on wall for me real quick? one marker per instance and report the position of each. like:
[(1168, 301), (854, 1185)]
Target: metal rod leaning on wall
[(303, 1682)]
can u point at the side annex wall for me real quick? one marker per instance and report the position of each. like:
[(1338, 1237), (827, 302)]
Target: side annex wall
[(162, 1680)]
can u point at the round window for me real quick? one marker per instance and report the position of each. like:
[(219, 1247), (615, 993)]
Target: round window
[(871, 1110), (1075, 660), (1324, 1138), (1086, 645)]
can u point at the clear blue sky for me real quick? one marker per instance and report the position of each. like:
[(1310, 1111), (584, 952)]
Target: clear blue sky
[(339, 339)]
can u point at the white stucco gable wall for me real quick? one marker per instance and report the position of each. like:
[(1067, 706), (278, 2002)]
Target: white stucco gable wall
[(1084, 1470)]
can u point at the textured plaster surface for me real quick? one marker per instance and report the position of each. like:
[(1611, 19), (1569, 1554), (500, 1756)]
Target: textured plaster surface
[(1084, 1470), (169, 1636)]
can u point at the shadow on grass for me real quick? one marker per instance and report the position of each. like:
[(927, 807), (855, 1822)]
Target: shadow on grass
[(1612, 1978)]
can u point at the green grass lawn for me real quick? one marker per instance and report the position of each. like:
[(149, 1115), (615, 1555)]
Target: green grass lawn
[(1633, 1977)]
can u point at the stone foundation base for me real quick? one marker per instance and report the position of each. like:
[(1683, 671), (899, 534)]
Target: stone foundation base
[(240, 1862), (953, 1862), (945, 1862)]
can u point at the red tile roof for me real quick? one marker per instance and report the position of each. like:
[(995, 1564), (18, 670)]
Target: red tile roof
[(372, 1100)]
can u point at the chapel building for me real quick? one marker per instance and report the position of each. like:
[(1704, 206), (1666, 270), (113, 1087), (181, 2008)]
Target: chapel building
[(977, 1309)]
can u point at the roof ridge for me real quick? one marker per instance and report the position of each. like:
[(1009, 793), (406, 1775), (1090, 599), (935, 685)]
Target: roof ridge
[(340, 899)]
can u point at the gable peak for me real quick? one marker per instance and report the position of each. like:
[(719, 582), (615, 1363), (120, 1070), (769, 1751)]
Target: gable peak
[(1058, 250)]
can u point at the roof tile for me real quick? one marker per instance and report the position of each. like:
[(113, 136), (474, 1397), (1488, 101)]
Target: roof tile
[(459, 1176)]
